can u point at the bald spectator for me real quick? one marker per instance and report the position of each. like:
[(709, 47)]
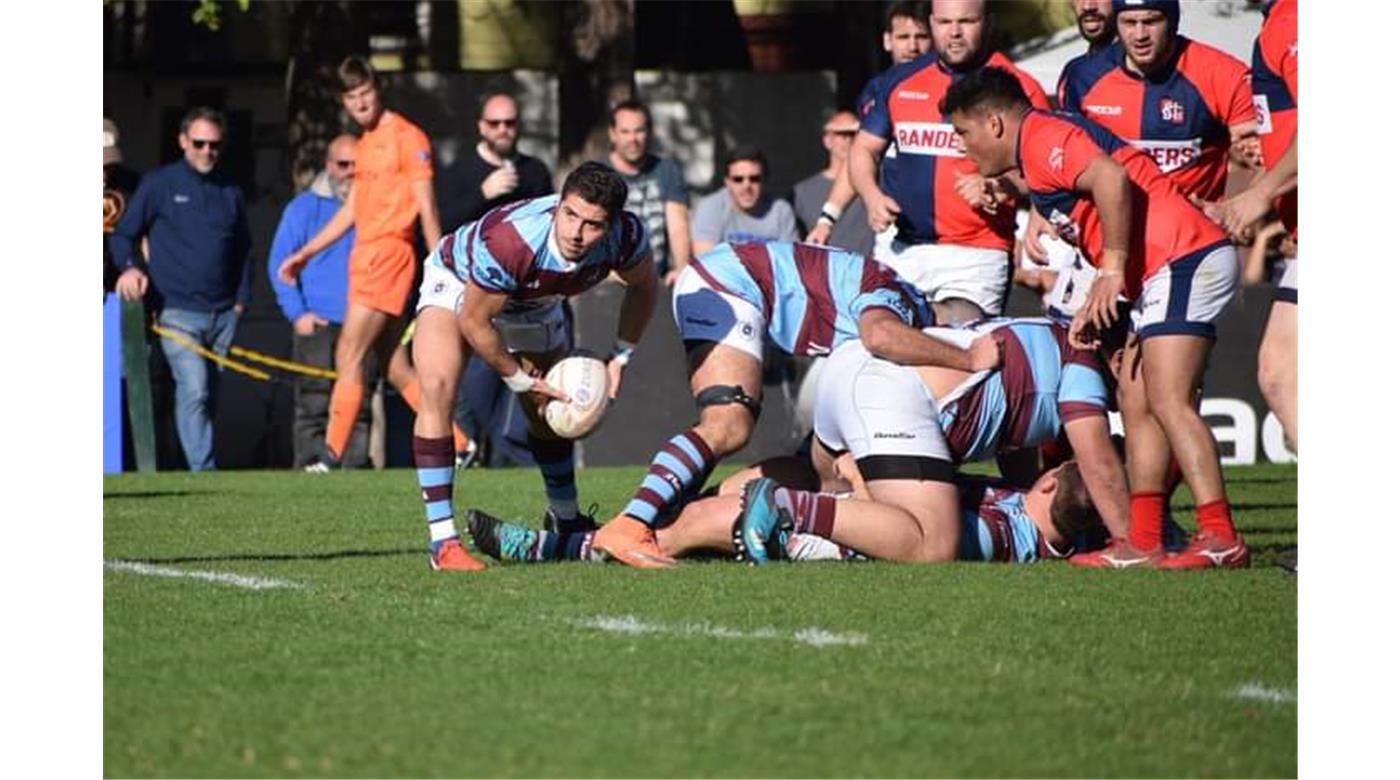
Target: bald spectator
[(741, 210), (496, 172), (315, 305), (850, 230)]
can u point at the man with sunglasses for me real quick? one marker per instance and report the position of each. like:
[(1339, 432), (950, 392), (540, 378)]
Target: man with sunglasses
[(315, 305), (197, 268), (741, 211), (497, 173), (848, 231)]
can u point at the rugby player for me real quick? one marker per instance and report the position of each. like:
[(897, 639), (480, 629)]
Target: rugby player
[(808, 299), (495, 288), (909, 428), (955, 231), (1151, 244)]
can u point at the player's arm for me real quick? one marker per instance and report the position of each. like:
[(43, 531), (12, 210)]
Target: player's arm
[(479, 307), (1240, 212), (862, 166), (840, 196), (1102, 470), (131, 228), (1112, 191), (343, 220), (677, 238), (422, 190), (638, 302), (887, 336)]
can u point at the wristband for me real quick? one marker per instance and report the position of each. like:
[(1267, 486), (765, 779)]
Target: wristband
[(622, 352), (831, 211), (519, 382)]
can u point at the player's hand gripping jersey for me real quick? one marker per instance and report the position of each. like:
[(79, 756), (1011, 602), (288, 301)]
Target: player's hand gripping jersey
[(923, 176), (810, 297), (1053, 149), (1182, 120)]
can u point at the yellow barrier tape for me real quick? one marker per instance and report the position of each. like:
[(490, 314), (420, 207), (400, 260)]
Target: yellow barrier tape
[(209, 354), (285, 365)]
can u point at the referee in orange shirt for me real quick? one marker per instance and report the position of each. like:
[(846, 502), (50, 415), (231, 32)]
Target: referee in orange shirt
[(393, 188)]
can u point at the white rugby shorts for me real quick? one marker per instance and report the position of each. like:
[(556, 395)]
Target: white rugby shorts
[(1187, 296), (536, 329), (703, 313), (942, 271), (871, 407)]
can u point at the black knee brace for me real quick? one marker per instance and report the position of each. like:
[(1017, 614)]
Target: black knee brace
[(719, 395)]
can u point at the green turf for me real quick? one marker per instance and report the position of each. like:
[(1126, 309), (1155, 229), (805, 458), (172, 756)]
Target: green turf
[(377, 667)]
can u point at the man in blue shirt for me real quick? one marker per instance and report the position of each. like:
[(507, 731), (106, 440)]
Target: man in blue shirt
[(197, 228), (315, 305)]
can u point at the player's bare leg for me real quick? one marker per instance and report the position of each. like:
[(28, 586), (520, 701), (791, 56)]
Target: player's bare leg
[(399, 370), (685, 462), (1278, 367), (1172, 369), (438, 352)]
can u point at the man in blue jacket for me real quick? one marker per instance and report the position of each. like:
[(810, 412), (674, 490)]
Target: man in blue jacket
[(315, 305), (197, 268)]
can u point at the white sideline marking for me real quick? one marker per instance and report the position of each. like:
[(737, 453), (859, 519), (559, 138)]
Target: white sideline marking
[(629, 624), (221, 577), (1257, 691)]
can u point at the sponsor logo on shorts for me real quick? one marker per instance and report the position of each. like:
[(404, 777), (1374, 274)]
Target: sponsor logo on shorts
[(894, 435), (928, 138)]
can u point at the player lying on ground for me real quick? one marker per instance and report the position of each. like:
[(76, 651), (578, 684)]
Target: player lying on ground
[(908, 428), (809, 300), (495, 288), (997, 523)]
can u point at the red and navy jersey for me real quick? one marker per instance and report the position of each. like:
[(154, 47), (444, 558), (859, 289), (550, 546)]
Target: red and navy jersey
[(1275, 85), (1181, 119), (929, 156), (1053, 149)]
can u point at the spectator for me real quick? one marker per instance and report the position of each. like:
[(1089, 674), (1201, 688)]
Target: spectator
[(197, 230), (848, 230), (118, 185), (316, 304), (740, 211), (393, 191), (655, 188), (497, 173)]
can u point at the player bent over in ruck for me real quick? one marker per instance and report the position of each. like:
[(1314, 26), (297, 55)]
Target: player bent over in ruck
[(495, 288)]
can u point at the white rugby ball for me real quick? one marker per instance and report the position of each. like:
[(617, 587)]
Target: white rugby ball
[(585, 379)]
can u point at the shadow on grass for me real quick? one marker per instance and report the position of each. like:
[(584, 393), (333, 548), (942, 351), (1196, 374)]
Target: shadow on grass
[(1261, 479), (332, 555), (155, 494), (1242, 506)]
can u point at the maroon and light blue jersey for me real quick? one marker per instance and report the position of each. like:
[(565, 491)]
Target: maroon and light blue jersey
[(811, 296), (1043, 383), (512, 250), (995, 525), (930, 160), (1181, 120)]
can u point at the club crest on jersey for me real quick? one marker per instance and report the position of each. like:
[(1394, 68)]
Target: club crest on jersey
[(1172, 111)]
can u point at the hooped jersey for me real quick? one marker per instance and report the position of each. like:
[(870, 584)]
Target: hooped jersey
[(1181, 119), (1275, 85), (1054, 148), (811, 296), (1043, 382), (996, 526), (512, 250), (930, 160)]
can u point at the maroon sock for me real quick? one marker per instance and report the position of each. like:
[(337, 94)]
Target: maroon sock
[(812, 513)]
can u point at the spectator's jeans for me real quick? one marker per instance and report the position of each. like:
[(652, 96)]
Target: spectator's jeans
[(312, 401), (196, 386)]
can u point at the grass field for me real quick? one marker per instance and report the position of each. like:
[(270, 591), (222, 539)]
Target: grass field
[(279, 624)]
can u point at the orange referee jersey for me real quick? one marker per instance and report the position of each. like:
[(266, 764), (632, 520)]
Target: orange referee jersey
[(387, 159)]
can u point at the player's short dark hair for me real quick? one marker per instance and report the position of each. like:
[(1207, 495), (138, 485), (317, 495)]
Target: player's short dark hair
[(354, 72), (598, 184), (984, 88), (211, 115), (746, 153), (918, 10), (630, 104), (1072, 510)]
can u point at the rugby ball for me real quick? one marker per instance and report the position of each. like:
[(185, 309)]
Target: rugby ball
[(585, 379)]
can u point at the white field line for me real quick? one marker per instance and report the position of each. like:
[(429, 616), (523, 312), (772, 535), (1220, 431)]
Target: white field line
[(220, 577), (1261, 693), (630, 624)]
